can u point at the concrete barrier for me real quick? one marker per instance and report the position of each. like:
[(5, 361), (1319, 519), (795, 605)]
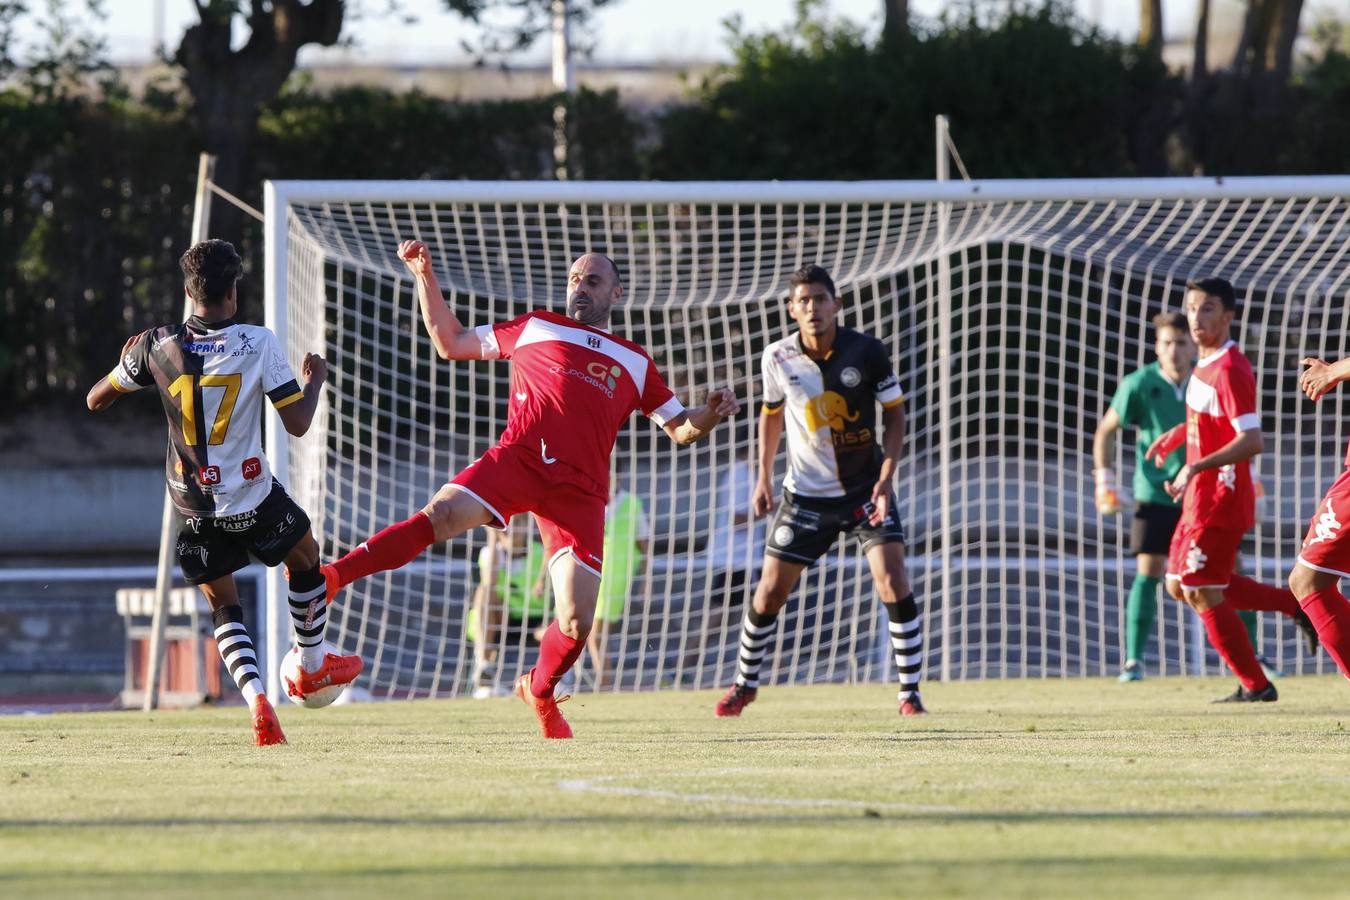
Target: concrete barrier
[(81, 510)]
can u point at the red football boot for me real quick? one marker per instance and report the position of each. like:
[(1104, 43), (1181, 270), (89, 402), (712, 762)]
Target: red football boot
[(330, 582), (735, 700), (266, 725), (334, 670), (912, 706), (551, 721)]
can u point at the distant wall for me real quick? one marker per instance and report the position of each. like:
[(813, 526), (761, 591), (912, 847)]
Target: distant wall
[(80, 510)]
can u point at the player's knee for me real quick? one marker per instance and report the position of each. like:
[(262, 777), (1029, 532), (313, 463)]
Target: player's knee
[(1301, 581), (1175, 591), (304, 555)]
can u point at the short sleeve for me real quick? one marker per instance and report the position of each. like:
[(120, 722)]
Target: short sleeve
[(278, 380), (132, 372), (885, 383), (1237, 398), (774, 394), (658, 401), (498, 340), (1122, 401)]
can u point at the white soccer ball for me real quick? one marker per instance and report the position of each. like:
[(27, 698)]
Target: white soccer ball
[(290, 677)]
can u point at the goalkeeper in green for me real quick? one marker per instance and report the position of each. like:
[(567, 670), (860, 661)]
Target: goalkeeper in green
[(1153, 400)]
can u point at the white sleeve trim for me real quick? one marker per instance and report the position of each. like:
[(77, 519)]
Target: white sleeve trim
[(487, 342), (1248, 422), (667, 411), (891, 394)]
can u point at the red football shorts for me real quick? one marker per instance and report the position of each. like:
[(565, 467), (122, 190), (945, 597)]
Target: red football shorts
[(510, 480), (1326, 548), (1203, 555)]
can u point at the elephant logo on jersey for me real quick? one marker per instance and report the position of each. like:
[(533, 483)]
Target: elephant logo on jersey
[(609, 376), (1326, 527), (1195, 559), (1228, 477), (828, 409)]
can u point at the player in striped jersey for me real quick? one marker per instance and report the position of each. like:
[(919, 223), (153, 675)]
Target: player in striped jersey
[(826, 381), (212, 374)]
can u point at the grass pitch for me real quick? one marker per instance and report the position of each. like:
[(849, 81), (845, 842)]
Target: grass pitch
[(1021, 788)]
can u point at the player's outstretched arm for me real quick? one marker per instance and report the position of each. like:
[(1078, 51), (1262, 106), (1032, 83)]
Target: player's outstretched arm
[(1320, 376), (297, 416), (688, 427), (1103, 451), (1169, 440), (451, 339)]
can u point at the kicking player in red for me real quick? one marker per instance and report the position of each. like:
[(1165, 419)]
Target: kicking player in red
[(573, 384), (1222, 432), (1325, 558)]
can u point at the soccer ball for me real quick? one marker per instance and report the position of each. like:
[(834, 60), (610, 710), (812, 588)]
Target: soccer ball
[(290, 676)]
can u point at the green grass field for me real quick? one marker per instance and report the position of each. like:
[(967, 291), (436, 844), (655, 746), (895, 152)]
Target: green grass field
[(1040, 788)]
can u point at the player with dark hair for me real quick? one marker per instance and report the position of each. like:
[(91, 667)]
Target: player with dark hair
[(212, 374), (1222, 432), (573, 384), (827, 380)]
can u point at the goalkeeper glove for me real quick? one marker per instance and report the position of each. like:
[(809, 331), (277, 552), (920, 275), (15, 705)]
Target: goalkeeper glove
[(1108, 501)]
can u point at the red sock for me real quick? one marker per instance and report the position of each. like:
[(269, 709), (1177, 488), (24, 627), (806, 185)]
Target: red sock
[(557, 654), (395, 546), (1229, 637), (1330, 614), (1245, 593)]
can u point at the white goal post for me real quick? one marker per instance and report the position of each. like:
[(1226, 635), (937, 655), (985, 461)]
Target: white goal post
[(1011, 310)]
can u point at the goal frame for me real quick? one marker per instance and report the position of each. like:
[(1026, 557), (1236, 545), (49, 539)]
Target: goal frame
[(279, 195)]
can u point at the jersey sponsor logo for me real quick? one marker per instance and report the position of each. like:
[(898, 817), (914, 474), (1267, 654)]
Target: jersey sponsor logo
[(609, 376), (783, 535), (129, 363), (1326, 528), (543, 454), (828, 409), (522, 396), (245, 347), (193, 524), (888, 382), (1228, 476), (198, 550), (251, 468), (593, 342), (241, 522), (589, 379), (208, 475), (212, 346), (851, 377), (1195, 559)]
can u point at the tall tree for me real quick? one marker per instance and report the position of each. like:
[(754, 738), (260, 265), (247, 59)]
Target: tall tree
[(1151, 25), (895, 17)]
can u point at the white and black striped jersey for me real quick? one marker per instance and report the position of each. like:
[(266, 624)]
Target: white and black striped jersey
[(212, 377), (831, 412)]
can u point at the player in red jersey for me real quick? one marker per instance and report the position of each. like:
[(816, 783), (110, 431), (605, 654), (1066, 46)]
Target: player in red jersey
[(1222, 433), (1325, 557), (573, 384)]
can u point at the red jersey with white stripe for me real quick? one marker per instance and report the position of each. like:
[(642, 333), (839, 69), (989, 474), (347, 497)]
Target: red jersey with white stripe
[(1220, 402), (572, 387)]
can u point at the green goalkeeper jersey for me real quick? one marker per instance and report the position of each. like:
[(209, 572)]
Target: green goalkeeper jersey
[(1148, 401)]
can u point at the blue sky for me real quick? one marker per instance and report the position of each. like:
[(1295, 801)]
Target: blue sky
[(628, 31)]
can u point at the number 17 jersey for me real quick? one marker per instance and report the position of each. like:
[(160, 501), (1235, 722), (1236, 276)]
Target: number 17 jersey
[(211, 378)]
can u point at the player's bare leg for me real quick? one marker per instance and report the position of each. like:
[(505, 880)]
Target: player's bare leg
[(597, 644), (307, 598), (887, 562), (1228, 636), (575, 591), (450, 513), (1320, 597), (776, 581), (236, 650)]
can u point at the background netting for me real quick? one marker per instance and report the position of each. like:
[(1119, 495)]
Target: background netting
[(1014, 570)]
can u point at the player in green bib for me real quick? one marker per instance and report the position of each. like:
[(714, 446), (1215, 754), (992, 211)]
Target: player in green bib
[(627, 533), (1151, 399), (511, 586)]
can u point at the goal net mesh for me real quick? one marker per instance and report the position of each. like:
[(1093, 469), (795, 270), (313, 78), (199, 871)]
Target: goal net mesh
[(1015, 572)]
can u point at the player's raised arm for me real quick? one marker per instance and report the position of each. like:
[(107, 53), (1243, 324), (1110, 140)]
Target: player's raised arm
[(691, 426), (451, 339), (131, 374), (296, 416)]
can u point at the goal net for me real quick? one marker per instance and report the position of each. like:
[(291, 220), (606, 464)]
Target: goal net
[(1011, 311)]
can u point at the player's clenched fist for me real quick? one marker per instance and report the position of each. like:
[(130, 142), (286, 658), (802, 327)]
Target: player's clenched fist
[(314, 369), (762, 501), (723, 402), (416, 256)]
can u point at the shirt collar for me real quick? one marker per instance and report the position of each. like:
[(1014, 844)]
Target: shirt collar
[(1228, 345), (197, 323)]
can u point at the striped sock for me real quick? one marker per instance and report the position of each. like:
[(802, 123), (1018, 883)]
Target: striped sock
[(236, 649), (756, 630), (309, 615), (907, 641)]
